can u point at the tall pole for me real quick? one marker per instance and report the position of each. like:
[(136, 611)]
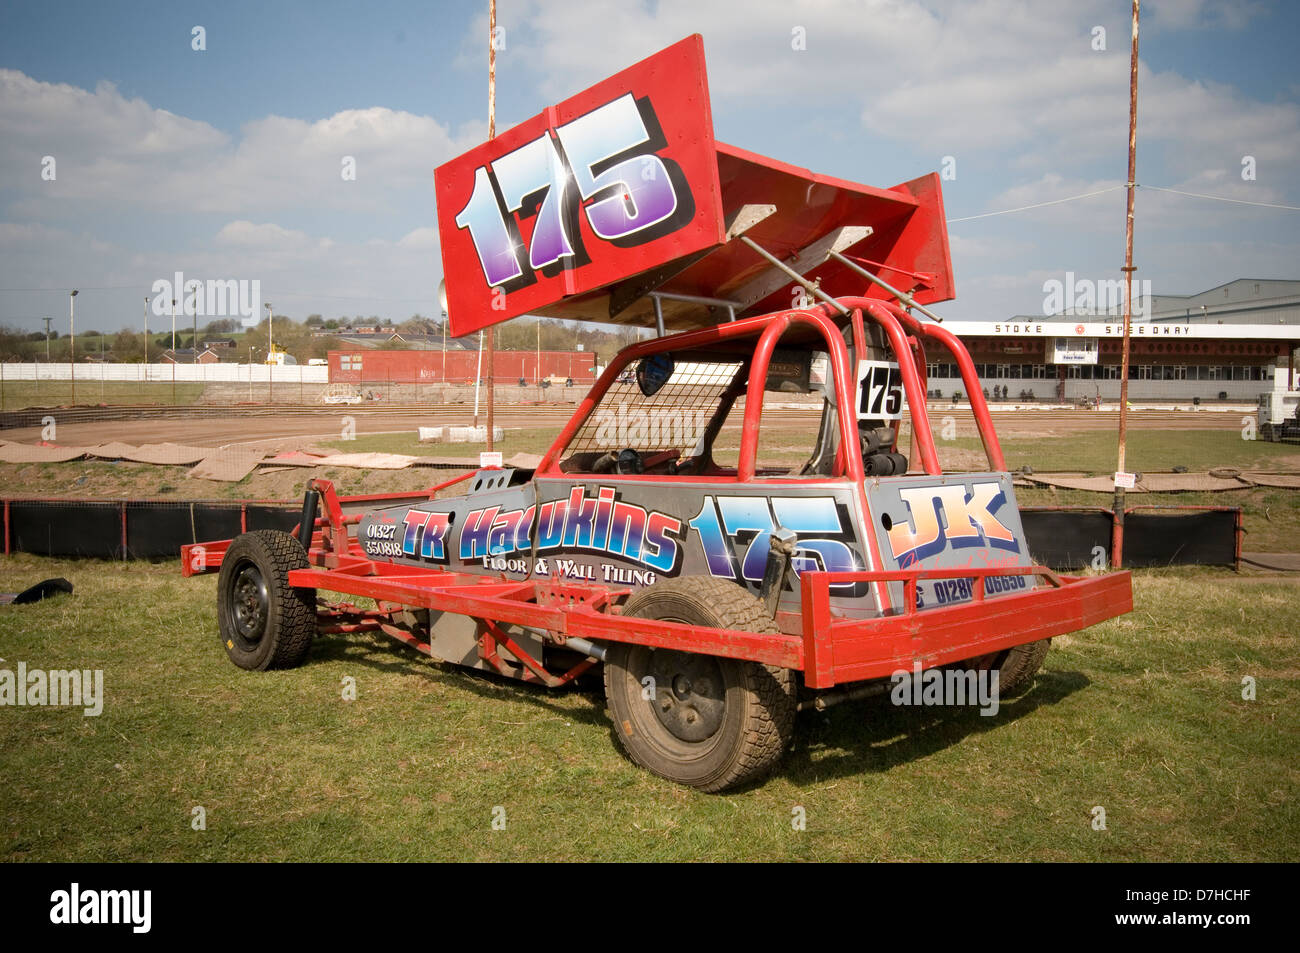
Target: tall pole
[(72, 352), (47, 339), (146, 335), (270, 354), (478, 376), (492, 131), (174, 358), (1117, 532)]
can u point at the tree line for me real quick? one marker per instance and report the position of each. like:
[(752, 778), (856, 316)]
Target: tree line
[(312, 338)]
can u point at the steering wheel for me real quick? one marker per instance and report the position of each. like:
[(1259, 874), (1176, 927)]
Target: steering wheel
[(629, 461)]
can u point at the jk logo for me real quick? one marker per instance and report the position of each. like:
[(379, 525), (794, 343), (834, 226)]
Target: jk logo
[(943, 515)]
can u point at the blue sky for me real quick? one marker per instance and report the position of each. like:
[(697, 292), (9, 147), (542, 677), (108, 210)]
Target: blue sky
[(225, 162)]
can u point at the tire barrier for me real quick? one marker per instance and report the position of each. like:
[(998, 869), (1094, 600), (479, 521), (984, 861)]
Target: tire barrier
[(1061, 538)]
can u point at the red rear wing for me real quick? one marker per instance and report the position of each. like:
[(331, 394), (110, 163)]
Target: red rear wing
[(621, 192)]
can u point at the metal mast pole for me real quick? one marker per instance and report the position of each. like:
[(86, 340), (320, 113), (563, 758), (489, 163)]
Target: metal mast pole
[(1117, 532), (72, 352), (492, 131)]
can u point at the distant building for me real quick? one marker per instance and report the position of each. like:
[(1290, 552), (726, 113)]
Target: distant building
[(416, 341), (457, 366), (186, 355), (1255, 301)]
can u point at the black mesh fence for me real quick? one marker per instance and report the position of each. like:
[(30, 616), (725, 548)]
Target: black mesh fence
[(1066, 538), (133, 529)]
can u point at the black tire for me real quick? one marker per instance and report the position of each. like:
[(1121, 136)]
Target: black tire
[(1016, 667), (711, 723), (265, 623)]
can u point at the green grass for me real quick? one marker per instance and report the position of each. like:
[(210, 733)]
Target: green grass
[(16, 395), (1146, 451), (1141, 715)]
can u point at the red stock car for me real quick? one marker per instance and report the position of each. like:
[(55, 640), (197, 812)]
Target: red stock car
[(668, 538)]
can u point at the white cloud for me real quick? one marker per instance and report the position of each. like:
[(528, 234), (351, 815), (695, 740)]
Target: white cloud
[(111, 151), (248, 234)]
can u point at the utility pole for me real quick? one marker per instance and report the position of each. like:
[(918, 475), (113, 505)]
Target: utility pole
[(47, 339), (270, 353), (1117, 532), (492, 132), (146, 335), (173, 352), (72, 353)]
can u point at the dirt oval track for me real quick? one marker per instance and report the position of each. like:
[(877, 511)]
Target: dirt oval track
[(241, 425)]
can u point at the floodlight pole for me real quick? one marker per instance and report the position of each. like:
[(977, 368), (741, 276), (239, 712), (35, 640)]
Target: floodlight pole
[(1117, 520), (492, 131), (146, 336), (173, 352), (72, 351), (270, 354)]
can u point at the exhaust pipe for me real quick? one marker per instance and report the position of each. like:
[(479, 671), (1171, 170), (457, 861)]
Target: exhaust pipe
[(590, 649), (831, 699), (308, 524)]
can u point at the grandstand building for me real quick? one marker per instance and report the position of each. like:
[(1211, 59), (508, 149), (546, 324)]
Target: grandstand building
[(1233, 343)]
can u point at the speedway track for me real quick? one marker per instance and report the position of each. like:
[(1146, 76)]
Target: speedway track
[(217, 426)]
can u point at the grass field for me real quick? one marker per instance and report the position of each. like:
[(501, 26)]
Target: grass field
[(1142, 716), (1086, 452), (15, 395), (1271, 516), (1094, 452)]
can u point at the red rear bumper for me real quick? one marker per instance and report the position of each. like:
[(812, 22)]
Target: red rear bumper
[(838, 650)]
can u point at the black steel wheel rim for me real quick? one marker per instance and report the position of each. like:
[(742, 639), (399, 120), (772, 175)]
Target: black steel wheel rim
[(690, 694), (250, 603)]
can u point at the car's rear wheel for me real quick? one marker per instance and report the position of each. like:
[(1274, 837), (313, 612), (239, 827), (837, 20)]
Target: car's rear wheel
[(701, 720), (1016, 666), (265, 623)]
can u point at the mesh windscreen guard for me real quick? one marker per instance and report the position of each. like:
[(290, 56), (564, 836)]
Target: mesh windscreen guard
[(672, 419)]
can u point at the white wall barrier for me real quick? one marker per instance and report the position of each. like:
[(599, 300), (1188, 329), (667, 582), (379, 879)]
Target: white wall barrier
[(166, 373)]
